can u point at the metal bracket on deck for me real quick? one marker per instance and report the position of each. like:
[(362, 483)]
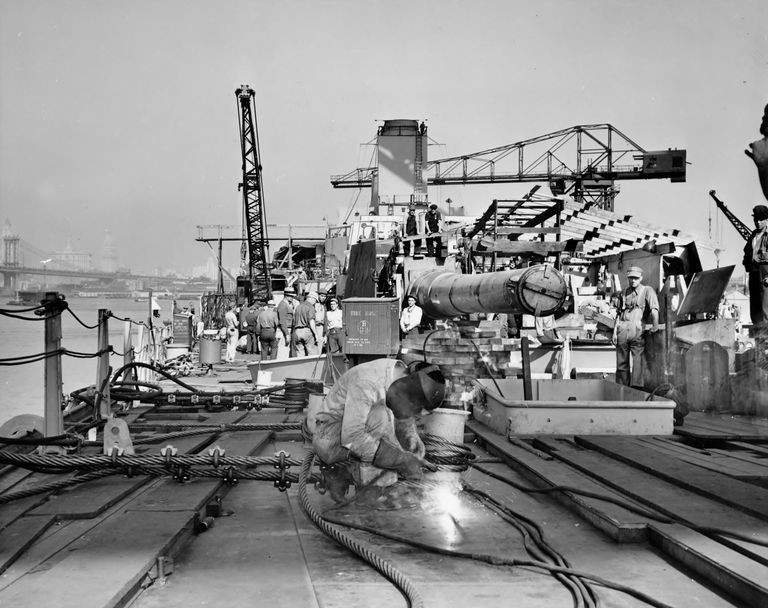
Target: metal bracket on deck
[(282, 484)]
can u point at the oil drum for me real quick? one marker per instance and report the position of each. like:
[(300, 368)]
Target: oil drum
[(210, 347)]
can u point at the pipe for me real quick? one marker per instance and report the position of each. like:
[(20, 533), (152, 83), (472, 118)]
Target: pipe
[(538, 290)]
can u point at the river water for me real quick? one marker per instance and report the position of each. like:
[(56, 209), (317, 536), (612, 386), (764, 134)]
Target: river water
[(22, 386)]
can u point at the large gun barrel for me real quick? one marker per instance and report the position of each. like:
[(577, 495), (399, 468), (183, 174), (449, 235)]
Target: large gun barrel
[(538, 290)]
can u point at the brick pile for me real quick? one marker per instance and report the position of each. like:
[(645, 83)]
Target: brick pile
[(464, 353)]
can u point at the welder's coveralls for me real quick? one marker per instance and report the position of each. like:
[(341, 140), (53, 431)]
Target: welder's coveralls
[(355, 415)]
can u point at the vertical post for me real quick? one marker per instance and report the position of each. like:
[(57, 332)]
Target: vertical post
[(221, 269), (525, 354), (102, 369), (128, 354), (54, 421)]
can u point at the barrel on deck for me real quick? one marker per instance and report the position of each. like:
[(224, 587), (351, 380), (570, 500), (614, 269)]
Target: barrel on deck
[(538, 290), (210, 347)]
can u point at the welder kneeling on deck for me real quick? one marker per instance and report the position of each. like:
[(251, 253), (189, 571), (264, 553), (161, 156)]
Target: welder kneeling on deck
[(369, 417)]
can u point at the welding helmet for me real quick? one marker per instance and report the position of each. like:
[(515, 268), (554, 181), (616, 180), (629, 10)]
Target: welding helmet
[(421, 389)]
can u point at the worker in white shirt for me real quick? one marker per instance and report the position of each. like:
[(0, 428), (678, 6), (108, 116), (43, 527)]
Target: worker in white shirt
[(410, 317)]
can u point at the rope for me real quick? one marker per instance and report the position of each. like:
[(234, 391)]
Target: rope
[(382, 566), (79, 320)]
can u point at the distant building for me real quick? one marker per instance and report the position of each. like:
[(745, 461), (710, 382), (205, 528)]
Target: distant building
[(108, 257), (80, 261), (10, 246)]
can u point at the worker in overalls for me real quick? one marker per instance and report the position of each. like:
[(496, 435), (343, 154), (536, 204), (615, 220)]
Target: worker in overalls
[(369, 416), (638, 305)]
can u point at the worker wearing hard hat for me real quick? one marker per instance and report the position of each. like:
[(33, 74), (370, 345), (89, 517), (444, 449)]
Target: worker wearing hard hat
[(369, 416), (638, 305)]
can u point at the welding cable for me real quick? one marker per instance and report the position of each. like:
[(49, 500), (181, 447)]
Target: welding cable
[(65, 440), (538, 547), (135, 364), (496, 560), (385, 568), (633, 508)]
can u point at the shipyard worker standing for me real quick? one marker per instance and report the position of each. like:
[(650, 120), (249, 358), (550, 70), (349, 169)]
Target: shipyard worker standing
[(266, 328), (251, 316), (411, 230), (320, 312), (285, 314), (433, 220), (410, 317), (304, 331), (369, 416), (756, 265), (638, 304), (231, 323), (334, 325)]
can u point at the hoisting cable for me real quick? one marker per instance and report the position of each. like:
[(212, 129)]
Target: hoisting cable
[(400, 580)]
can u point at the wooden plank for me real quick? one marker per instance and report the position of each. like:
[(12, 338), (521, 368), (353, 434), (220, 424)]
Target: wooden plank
[(619, 524), (757, 449), (666, 497), (714, 460), (743, 496), (727, 569)]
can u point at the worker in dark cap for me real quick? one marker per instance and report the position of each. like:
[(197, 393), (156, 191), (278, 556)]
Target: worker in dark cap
[(369, 416), (638, 305), (756, 264), (433, 221)]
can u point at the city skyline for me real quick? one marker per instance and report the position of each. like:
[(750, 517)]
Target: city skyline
[(124, 115)]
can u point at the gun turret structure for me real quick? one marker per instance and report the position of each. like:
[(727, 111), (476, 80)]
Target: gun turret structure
[(538, 290)]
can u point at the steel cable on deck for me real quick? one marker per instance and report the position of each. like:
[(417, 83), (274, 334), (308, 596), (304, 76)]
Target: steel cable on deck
[(403, 583), (231, 476), (126, 460)]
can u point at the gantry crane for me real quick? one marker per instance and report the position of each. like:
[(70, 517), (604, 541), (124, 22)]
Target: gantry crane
[(582, 161), (255, 246)]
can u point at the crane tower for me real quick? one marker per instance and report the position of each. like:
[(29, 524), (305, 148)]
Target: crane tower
[(255, 242)]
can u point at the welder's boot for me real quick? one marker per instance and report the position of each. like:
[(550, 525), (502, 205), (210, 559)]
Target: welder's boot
[(337, 479)]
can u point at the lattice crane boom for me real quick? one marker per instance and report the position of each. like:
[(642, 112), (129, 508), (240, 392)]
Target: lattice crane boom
[(740, 226), (583, 161), (254, 214)]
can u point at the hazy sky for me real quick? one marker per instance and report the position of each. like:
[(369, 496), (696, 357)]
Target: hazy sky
[(121, 115)]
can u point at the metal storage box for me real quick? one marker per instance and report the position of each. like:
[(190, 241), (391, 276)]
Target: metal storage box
[(570, 407), (371, 326)]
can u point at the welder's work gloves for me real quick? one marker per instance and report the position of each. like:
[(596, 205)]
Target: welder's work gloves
[(389, 456), (408, 436), (758, 152)]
